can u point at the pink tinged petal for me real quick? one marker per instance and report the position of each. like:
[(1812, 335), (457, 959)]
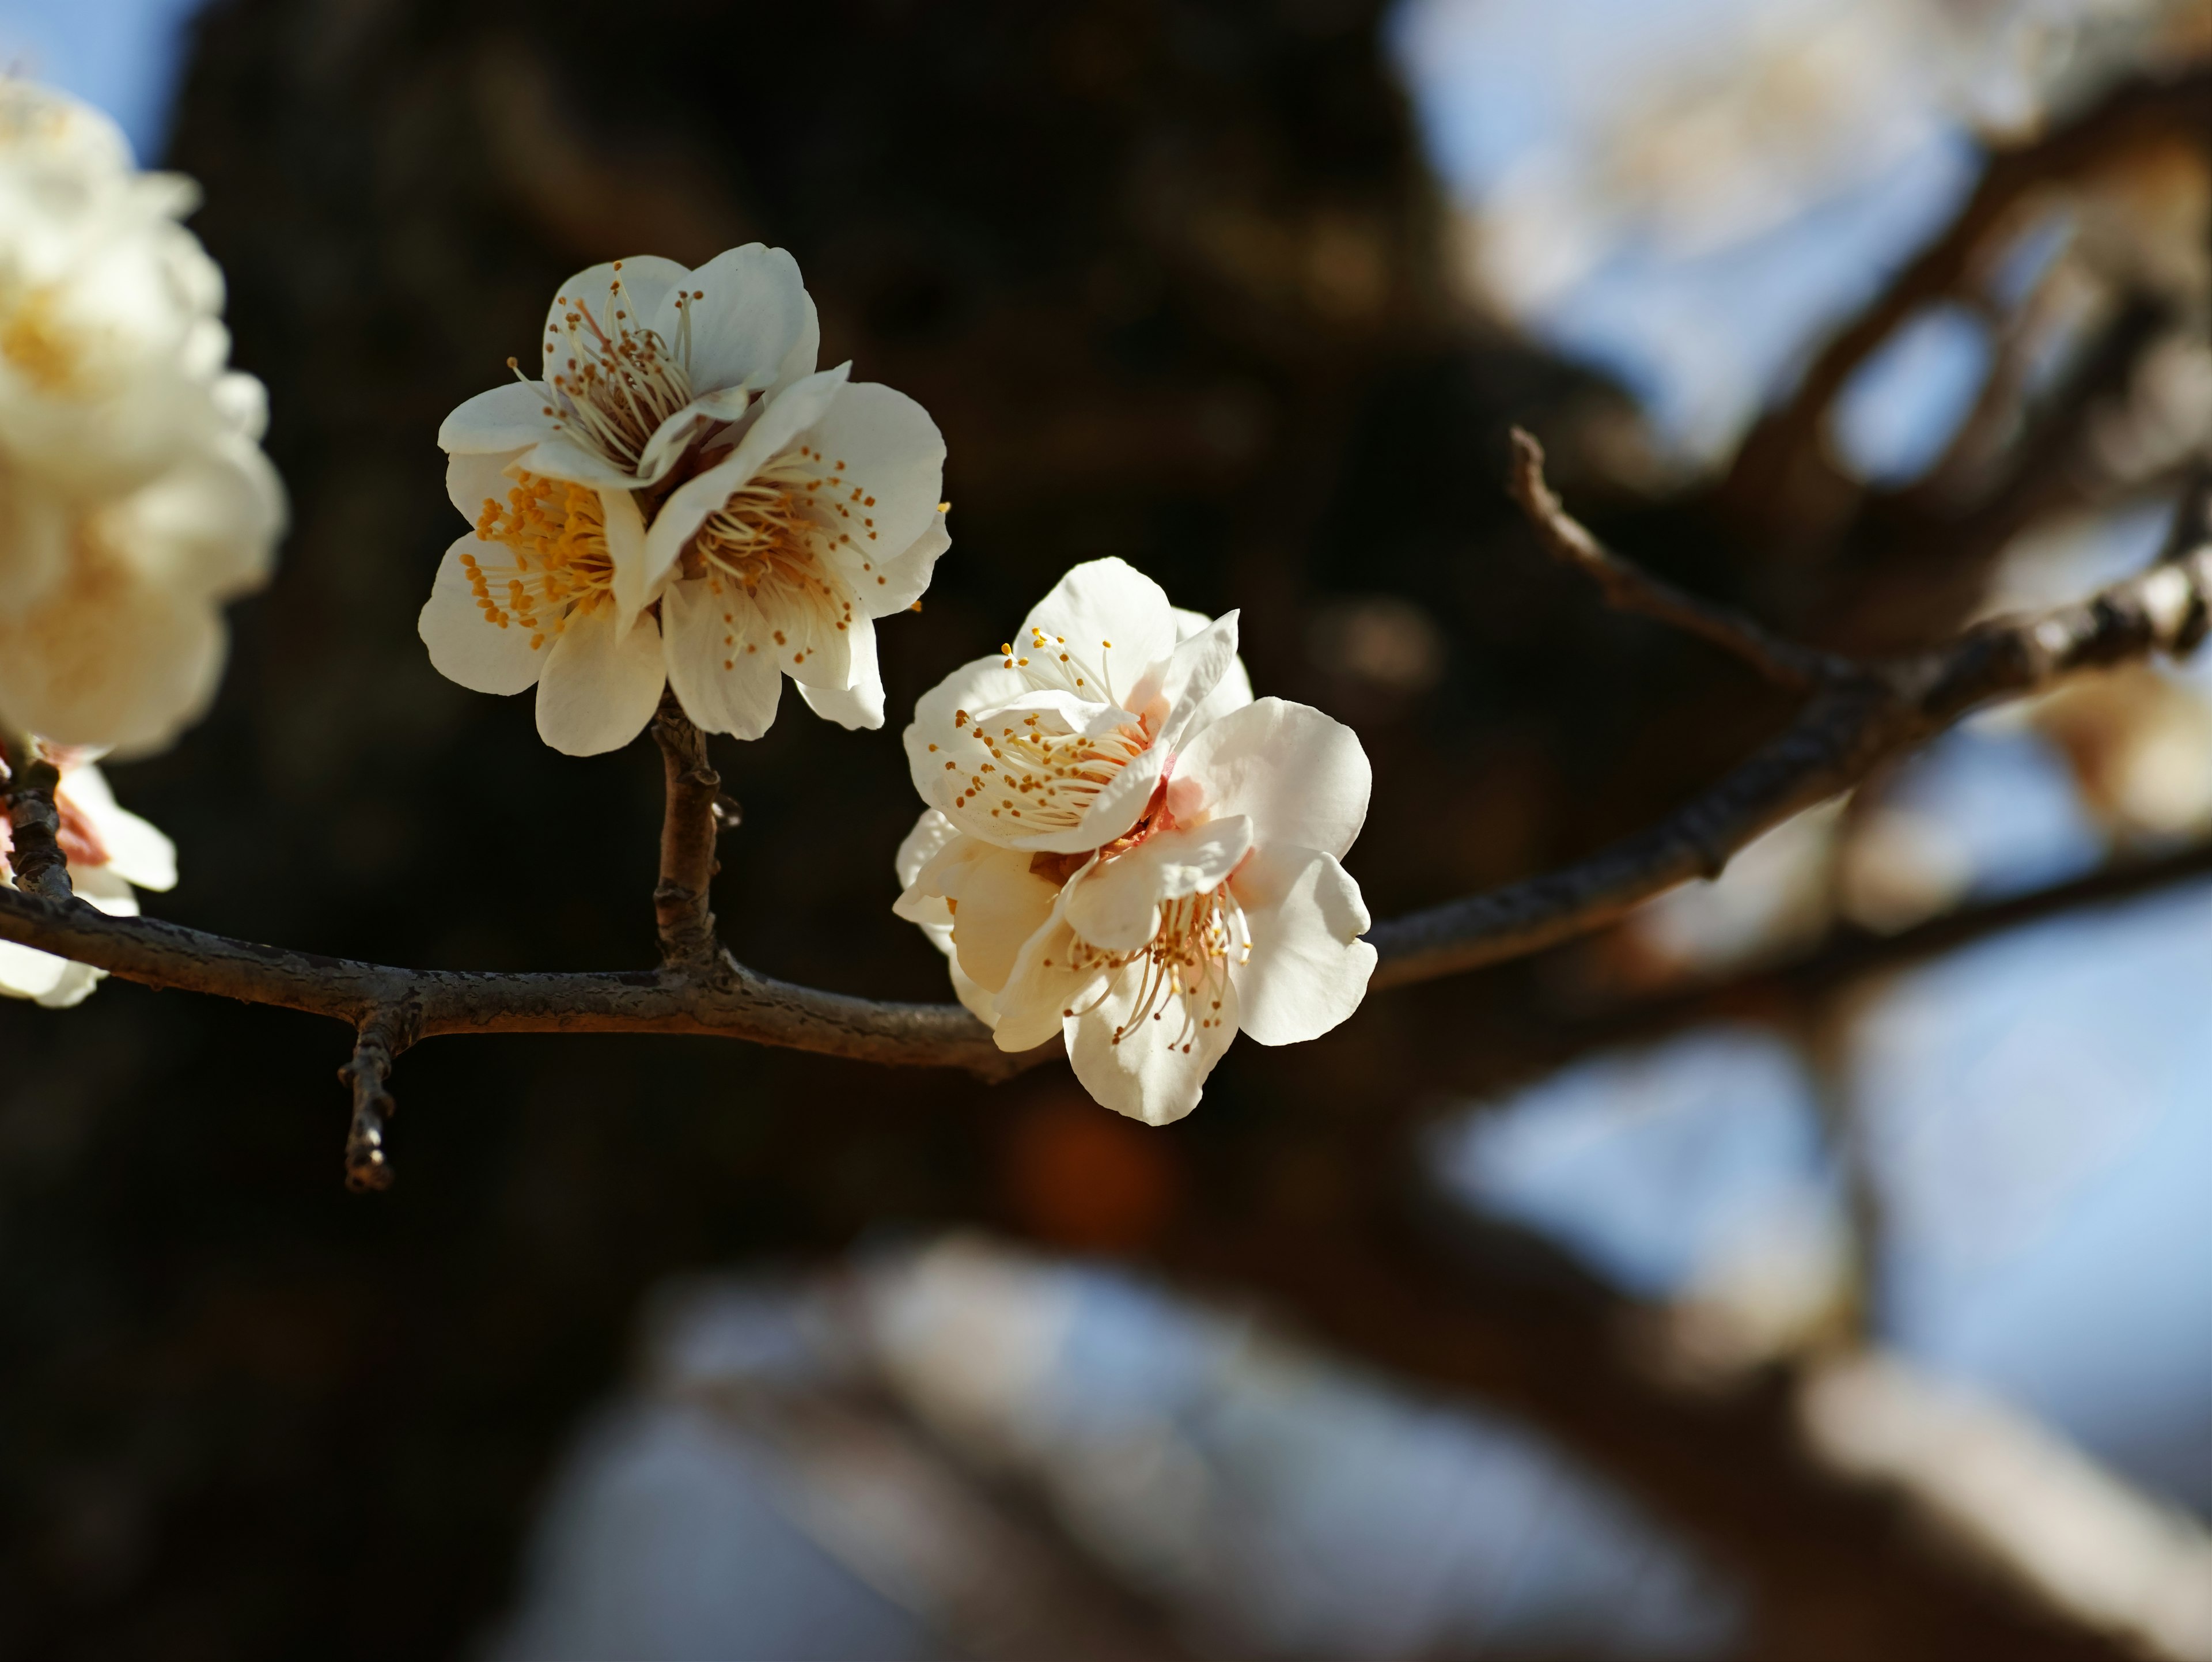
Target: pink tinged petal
[(511, 416), (787, 415), (1110, 616), (1234, 690), (1184, 682), (896, 584), (633, 589), (754, 315), (466, 646), (601, 684), (1309, 968), (472, 480), (1119, 908), (650, 282), (721, 658), (887, 462), (1149, 1075), (861, 704), (1301, 777), (137, 852)]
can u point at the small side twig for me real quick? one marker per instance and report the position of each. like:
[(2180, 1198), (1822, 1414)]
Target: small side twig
[(383, 1034), (690, 822), (35, 857), (1627, 587)]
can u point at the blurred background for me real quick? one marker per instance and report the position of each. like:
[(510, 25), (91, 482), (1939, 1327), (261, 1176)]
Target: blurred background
[(1819, 1264)]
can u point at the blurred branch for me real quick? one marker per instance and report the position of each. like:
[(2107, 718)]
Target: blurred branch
[(1772, 458), (1859, 716), (1628, 587), (1727, 1461), (35, 858)]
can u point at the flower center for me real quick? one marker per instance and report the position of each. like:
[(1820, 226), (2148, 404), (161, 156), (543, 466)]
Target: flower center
[(1186, 962), (556, 540), (1047, 780), (35, 341), (613, 390)]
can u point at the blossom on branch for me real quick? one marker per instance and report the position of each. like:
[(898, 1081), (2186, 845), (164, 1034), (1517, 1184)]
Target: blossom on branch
[(112, 853), (682, 499), (1125, 849), (134, 497)]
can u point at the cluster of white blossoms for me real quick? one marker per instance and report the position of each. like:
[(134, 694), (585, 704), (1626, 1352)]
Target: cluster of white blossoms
[(1125, 849), (682, 500), (110, 850), (134, 497)]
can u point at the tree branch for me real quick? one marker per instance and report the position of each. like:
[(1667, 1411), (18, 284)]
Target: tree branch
[(689, 827), (36, 860), (1858, 716)]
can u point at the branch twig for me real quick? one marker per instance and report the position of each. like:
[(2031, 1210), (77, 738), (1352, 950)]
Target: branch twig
[(383, 1034), (35, 858), (689, 825)]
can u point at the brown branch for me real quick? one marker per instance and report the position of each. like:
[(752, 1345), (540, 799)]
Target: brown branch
[(36, 860), (383, 1034), (1629, 587), (689, 825), (1859, 716)]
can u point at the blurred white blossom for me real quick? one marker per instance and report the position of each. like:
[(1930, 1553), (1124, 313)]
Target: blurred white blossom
[(134, 495), (1127, 851), (683, 500)]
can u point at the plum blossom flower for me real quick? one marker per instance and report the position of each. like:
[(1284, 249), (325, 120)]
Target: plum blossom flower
[(112, 853), (682, 500), (1124, 848), (134, 497)]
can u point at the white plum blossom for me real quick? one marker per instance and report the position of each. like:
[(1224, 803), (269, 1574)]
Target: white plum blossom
[(1126, 850), (134, 497), (682, 500), (112, 853)]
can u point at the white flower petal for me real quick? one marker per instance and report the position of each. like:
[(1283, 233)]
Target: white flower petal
[(34, 541), (601, 683), (511, 416), (860, 705), (754, 313), (1156, 1069), (650, 282), (473, 480), (1185, 680), (787, 415), (896, 584), (934, 736), (931, 833), (464, 646), (562, 458), (634, 585), (1300, 776), (1042, 989), (109, 659), (1110, 616), (1119, 907), (886, 460), (1309, 968), (665, 447), (721, 660), (137, 852), (997, 905)]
